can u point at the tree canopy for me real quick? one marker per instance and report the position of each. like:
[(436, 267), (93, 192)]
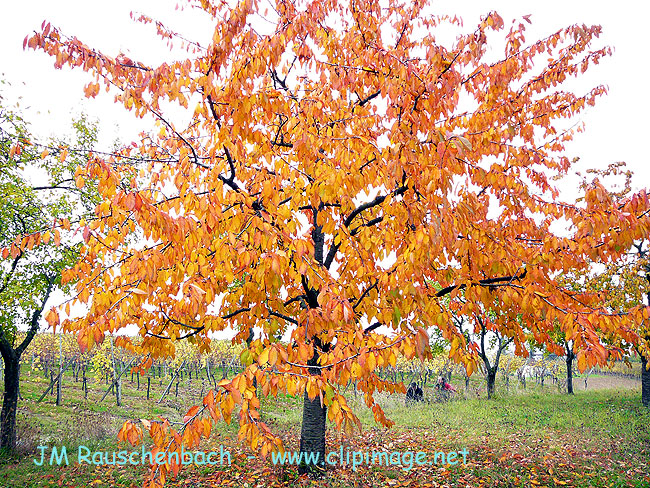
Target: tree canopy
[(345, 182), (36, 192), (36, 198)]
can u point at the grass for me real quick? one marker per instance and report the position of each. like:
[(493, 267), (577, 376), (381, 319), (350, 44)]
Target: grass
[(537, 437)]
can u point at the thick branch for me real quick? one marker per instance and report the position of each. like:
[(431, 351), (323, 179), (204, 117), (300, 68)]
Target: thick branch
[(373, 203), (284, 317), (312, 294), (11, 272), (230, 181), (364, 294), (361, 102), (484, 282), (318, 238), (372, 327), (33, 326), (236, 312)]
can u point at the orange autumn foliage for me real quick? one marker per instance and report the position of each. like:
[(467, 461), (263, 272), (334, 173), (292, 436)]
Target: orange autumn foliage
[(344, 180)]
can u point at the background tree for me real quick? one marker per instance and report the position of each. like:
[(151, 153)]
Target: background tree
[(500, 343), (488, 337), (35, 196), (642, 268), (331, 166), (569, 357), (564, 347), (624, 283)]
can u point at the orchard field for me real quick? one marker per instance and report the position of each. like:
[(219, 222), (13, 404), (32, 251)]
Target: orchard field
[(525, 436)]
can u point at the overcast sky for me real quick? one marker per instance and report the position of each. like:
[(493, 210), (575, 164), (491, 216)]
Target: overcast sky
[(616, 128)]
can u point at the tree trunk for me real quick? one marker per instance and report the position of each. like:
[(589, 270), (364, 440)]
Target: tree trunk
[(116, 379), (645, 382), (569, 373), (58, 384), (10, 402), (312, 435), (491, 381), (11, 357), (249, 341)]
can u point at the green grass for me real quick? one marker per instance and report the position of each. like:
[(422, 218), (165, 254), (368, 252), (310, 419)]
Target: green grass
[(539, 437), (598, 409)]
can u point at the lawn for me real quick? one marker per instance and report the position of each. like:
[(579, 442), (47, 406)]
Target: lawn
[(538, 437)]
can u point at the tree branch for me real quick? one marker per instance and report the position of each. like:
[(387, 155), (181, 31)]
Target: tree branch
[(361, 102), (11, 272), (282, 316), (364, 294), (372, 327), (373, 203), (33, 326), (484, 282)]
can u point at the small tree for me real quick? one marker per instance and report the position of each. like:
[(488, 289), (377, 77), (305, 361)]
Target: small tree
[(627, 284), (491, 367), (640, 271), (32, 254), (564, 345), (624, 284), (569, 358)]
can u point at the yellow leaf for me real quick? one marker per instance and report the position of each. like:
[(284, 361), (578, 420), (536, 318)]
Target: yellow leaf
[(582, 361), (264, 357), (371, 362), (273, 357)]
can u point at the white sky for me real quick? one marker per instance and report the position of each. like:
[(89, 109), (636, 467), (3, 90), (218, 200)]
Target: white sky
[(616, 129)]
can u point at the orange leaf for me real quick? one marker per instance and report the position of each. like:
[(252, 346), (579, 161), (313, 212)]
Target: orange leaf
[(129, 202), (209, 399), (190, 413), (52, 318)]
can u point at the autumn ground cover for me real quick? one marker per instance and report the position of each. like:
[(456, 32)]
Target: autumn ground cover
[(536, 437)]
